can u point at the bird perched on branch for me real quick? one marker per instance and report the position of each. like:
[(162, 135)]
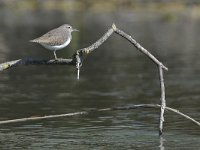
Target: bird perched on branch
[(56, 39)]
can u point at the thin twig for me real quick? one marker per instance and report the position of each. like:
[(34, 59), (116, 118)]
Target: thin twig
[(182, 114), (78, 71), (98, 110), (97, 43), (42, 117)]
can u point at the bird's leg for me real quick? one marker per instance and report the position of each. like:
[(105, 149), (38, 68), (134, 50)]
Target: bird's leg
[(54, 52)]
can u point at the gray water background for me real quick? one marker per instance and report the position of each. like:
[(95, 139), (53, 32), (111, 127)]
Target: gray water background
[(116, 74)]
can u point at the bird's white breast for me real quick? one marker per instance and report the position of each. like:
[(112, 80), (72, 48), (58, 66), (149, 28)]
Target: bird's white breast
[(56, 47)]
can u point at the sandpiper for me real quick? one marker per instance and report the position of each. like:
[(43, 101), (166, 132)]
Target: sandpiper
[(56, 39)]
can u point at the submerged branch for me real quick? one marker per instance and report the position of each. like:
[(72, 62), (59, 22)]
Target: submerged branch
[(97, 110), (42, 117)]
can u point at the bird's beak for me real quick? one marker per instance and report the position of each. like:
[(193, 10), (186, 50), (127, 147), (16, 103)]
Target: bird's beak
[(75, 30)]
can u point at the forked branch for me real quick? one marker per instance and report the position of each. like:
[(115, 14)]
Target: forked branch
[(78, 55), (77, 59)]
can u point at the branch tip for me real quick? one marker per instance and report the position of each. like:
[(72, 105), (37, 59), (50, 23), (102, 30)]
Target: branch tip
[(6, 66), (78, 73), (164, 67), (85, 50), (114, 27)]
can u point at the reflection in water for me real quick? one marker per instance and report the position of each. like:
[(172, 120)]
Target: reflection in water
[(162, 143), (115, 74)]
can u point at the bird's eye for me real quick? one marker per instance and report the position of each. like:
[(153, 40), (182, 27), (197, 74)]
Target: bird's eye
[(69, 27)]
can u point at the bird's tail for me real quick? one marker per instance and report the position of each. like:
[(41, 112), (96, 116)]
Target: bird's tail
[(34, 41)]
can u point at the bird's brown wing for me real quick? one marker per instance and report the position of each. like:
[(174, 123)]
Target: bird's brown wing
[(51, 38)]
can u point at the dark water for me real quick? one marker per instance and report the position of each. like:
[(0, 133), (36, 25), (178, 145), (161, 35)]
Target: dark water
[(114, 75)]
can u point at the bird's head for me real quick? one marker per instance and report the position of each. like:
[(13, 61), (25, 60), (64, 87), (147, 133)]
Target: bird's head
[(69, 28)]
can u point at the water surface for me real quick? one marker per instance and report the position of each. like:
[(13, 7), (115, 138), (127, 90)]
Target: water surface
[(114, 75)]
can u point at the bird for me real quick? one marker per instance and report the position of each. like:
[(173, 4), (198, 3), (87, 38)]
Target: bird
[(56, 39)]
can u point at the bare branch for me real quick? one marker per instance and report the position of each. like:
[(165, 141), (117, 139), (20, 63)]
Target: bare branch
[(30, 61), (79, 53), (99, 110), (97, 43), (77, 59), (139, 47), (162, 100), (42, 117)]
